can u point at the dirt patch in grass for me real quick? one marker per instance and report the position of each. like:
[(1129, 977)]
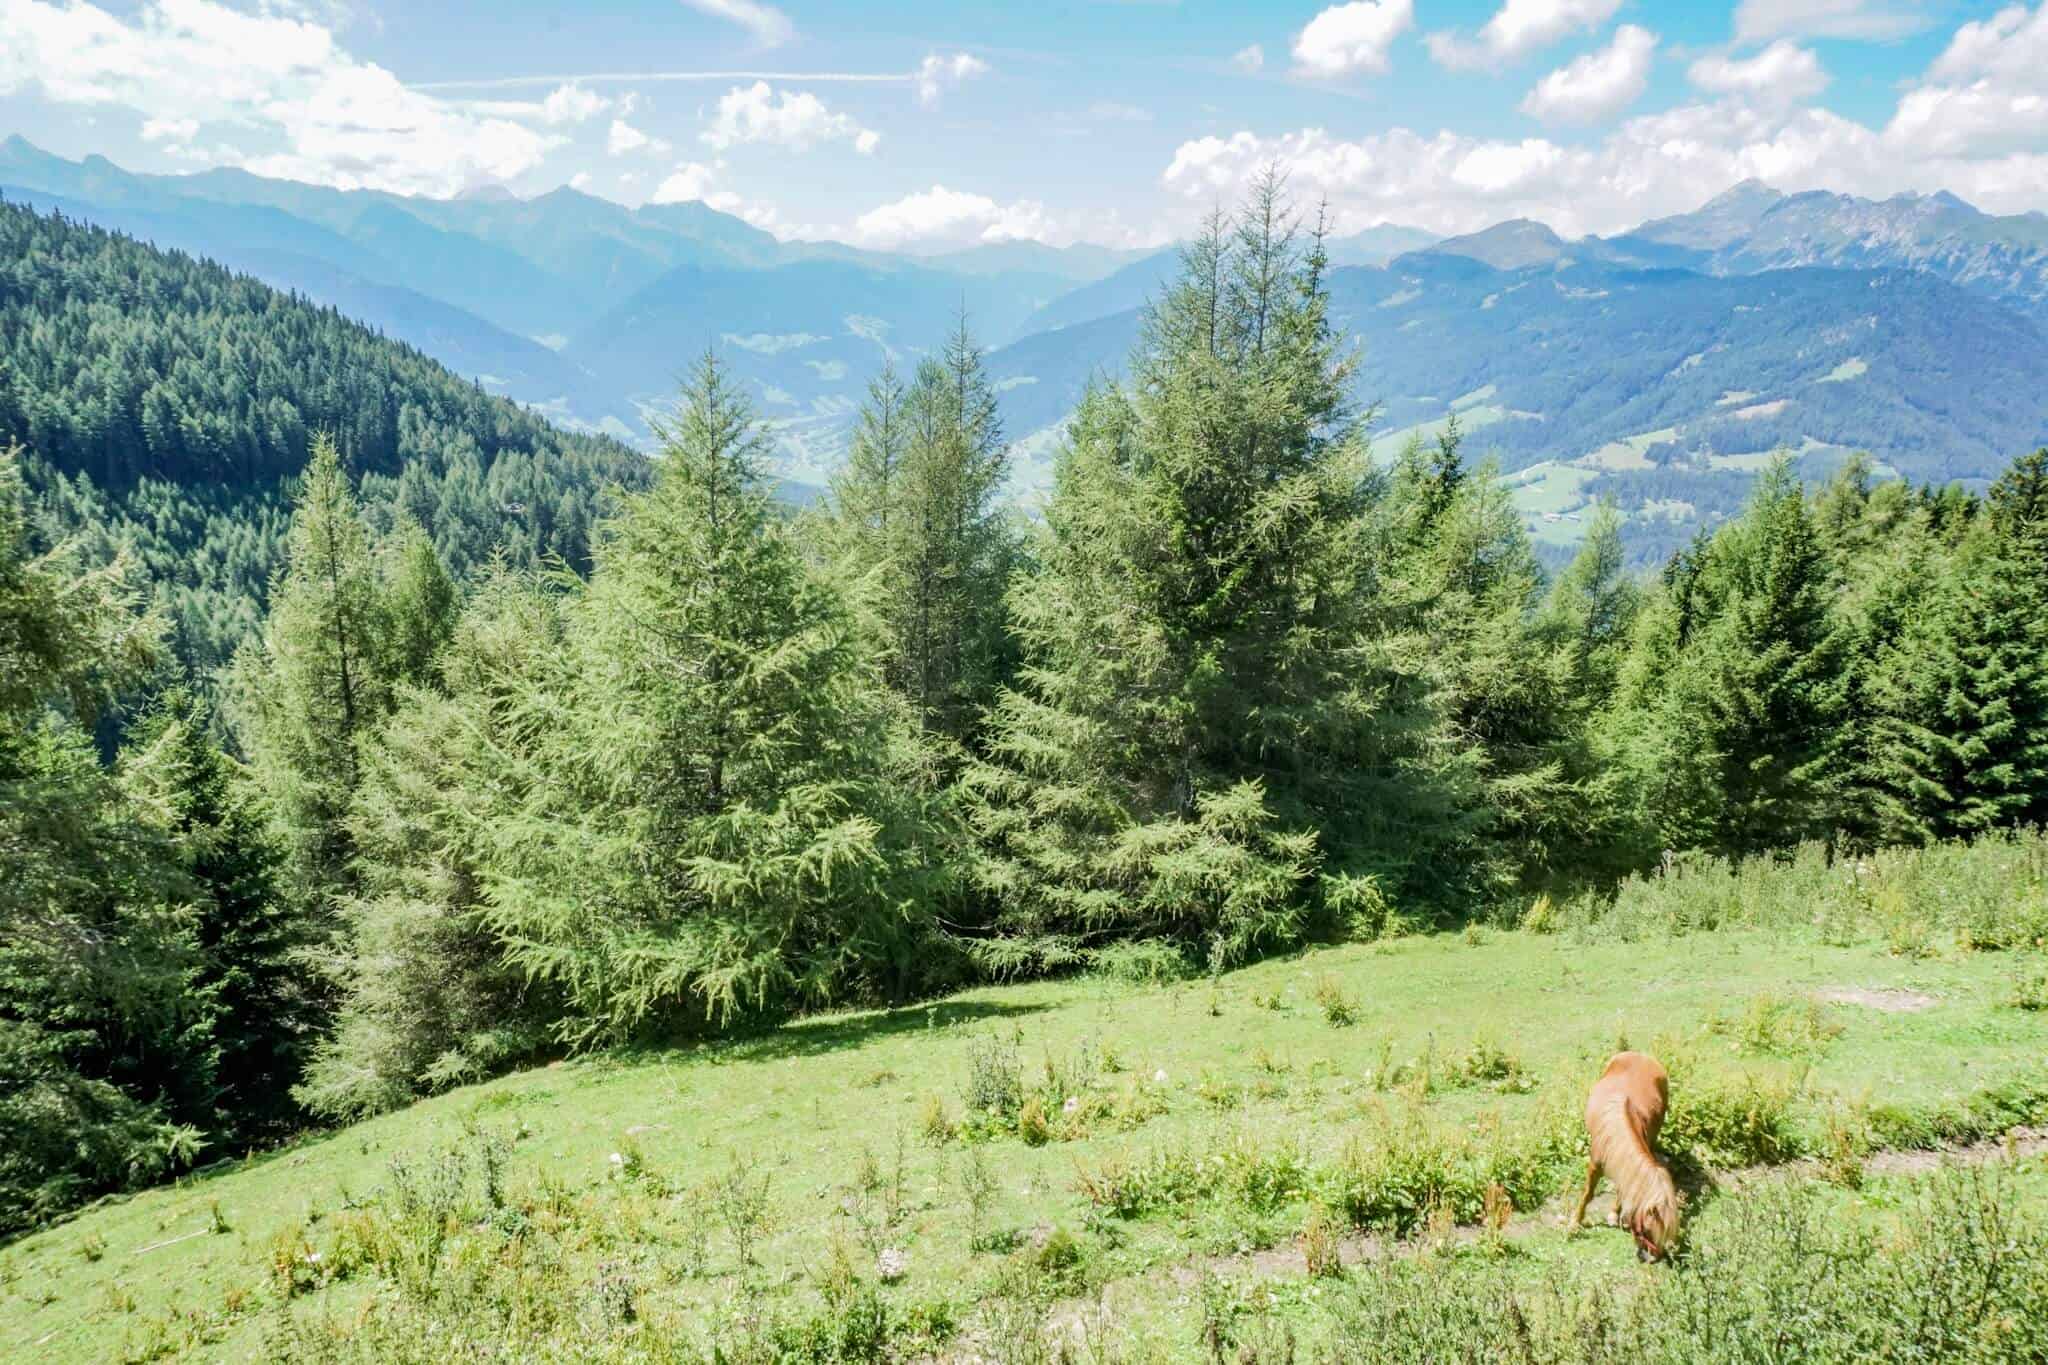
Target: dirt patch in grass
[(1889, 1001)]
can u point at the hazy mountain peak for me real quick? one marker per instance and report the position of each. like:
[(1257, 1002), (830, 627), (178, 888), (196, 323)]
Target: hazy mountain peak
[(1511, 245)]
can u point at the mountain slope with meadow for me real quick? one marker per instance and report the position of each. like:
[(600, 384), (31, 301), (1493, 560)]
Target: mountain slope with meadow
[(1660, 366)]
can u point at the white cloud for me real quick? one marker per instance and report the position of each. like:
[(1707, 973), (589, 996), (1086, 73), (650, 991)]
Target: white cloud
[(691, 180), (946, 215), (280, 83), (1518, 29), (573, 104), (800, 120), (2011, 45), (940, 218), (169, 129), (624, 140), (1985, 96), (936, 74), (1757, 20), (1783, 73), (1352, 39), (769, 25), (1650, 165), (1597, 85), (1251, 58)]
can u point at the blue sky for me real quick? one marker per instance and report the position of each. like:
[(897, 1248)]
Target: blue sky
[(926, 125)]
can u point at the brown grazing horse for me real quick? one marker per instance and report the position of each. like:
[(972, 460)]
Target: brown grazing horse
[(1623, 1115)]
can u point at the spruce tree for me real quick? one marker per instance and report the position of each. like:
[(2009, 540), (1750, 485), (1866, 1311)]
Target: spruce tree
[(1202, 726), (321, 680), (918, 519), (1469, 584), (726, 825), (1734, 691), (247, 935), (105, 1021)]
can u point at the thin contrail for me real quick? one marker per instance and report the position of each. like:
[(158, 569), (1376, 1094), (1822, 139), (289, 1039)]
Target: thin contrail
[(652, 77)]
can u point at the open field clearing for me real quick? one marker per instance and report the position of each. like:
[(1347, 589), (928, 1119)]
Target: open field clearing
[(1117, 1156)]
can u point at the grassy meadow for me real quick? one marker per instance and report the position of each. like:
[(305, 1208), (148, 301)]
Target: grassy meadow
[(1353, 1144)]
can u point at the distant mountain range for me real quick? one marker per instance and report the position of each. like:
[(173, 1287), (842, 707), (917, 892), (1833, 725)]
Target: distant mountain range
[(1660, 366)]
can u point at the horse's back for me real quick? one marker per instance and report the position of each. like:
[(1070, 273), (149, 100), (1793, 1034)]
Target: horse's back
[(1638, 1079)]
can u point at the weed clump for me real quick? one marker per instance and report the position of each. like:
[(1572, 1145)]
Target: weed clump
[(1339, 1008)]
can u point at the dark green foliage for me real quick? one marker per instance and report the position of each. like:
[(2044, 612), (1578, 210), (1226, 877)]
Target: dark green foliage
[(1726, 717), (916, 526), (728, 819), (167, 403), (427, 999), (105, 1006), (245, 930), (1205, 731)]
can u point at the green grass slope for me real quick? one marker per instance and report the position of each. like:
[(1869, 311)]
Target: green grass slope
[(1153, 1164)]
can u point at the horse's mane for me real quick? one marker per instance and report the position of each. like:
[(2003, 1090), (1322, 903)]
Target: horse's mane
[(1622, 1147)]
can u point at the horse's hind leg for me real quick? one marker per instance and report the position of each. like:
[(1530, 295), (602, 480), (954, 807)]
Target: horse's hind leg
[(1592, 1184)]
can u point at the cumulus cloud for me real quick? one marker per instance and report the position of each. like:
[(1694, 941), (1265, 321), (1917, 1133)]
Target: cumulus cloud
[(1251, 58), (940, 218), (169, 129), (799, 120), (1597, 85), (573, 104), (1352, 39), (624, 140), (935, 74), (949, 216), (2011, 45), (691, 180), (1519, 28), (1985, 95), (1783, 73), (280, 81), (1758, 20), (769, 26)]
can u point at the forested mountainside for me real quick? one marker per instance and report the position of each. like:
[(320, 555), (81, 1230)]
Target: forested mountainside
[(168, 403), (516, 277)]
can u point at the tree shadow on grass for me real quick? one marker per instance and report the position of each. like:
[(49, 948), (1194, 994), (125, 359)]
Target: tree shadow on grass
[(815, 1035)]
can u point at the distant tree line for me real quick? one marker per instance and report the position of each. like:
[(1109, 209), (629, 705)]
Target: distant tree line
[(1241, 687)]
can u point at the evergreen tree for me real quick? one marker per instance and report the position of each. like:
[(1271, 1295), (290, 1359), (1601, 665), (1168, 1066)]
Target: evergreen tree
[(246, 935), (917, 515), (105, 1019), (420, 602), (726, 825), (1468, 584), (1735, 688), (321, 681), (1585, 623), (1202, 726), (427, 999)]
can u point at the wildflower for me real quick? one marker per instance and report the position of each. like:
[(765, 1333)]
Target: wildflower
[(617, 1159), (1073, 1103), (312, 1258), (1159, 1076), (892, 1264)]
